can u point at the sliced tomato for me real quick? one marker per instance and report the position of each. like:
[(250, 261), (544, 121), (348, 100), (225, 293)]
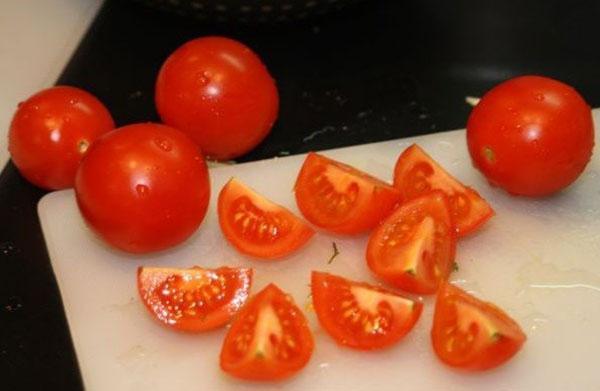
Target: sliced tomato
[(269, 339), (258, 227), (413, 248), (194, 299), (340, 198), (416, 173), (359, 315), (472, 334)]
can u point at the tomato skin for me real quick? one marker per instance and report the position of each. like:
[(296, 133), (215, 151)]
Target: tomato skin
[(143, 187), (337, 302), (341, 199), (416, 173), (472, 334), (272, 231), (217, 295), (531, 135), (219, 92), (414, 247), (52, 130), (269, 339)]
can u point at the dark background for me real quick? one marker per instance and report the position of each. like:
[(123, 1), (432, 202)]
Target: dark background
[(376, 70)]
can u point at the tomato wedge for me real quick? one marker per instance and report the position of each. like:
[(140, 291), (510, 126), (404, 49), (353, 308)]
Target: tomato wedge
[(341, 199), (194, 299), (269, 339), (258, 227), (413, 248), (472, 334), (416, 173), (359, 315)]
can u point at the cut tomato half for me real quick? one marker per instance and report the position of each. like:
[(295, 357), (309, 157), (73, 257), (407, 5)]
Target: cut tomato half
[(413, 248), (258, 227), (416, 173), (341, 199), (269, 339), (193, 299), (472, 334), (359, 315)]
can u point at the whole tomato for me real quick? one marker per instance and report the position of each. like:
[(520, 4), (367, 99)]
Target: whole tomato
[(143, 187), (52, 130), (531, 135), (218, 92)]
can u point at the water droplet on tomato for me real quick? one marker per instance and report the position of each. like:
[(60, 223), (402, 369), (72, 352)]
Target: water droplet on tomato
[(540, 97), (36, 107), (163, 144), (73, 102), (203, 77), (142, 190)]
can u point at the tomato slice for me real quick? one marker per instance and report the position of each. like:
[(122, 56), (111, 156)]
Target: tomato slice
[(472, 334), (359, 315), (340, 198), (269, 339), (416, 173), (258, 227), (194, 299), (413, 249)]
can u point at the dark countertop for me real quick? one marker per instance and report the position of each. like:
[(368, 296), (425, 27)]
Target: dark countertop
[(380, 69)]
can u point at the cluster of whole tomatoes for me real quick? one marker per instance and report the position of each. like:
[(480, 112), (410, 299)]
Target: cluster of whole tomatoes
[(145, 187)]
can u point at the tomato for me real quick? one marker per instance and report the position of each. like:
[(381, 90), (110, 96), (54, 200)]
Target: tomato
[(52, 130), (143, 187), (269, 339), (472, 334), (359, 315), (258, 227), (340, 198), (531, 135), (416, 173), (195, 299), (218, 92), (413, 248)]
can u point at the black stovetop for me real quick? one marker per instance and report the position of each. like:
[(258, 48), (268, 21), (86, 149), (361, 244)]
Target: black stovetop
[(380, 69)]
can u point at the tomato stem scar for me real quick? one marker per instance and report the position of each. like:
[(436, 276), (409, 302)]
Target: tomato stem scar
[(82, 146), (489, 155)]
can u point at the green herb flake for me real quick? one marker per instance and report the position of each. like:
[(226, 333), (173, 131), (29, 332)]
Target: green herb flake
[(335, 253)]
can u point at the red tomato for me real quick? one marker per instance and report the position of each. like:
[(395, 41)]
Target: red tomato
[(416, 173), (268, 340), (359, 315), (531, 135), (52, 130), (143, 187), (195, 299), (258, 227), (472, 334), (218, 92), (340, 198), (413, 248)]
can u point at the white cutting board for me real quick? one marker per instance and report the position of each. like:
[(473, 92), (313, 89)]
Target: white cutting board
[(537, 259)]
